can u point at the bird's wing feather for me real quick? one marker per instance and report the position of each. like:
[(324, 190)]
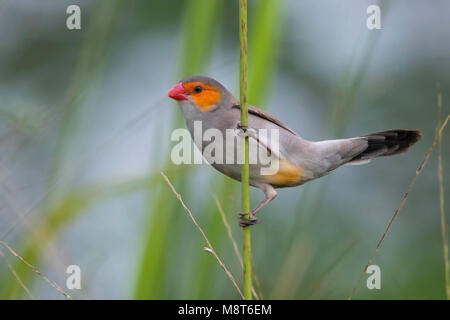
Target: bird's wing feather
[(264, 115)]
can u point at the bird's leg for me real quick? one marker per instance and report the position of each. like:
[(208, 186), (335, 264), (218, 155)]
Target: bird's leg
[(268, 190), (270, 194)]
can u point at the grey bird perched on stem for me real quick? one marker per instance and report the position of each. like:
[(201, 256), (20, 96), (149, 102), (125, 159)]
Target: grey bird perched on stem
[(298, 160)]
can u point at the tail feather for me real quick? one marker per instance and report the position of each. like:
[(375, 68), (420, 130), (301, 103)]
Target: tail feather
[(387, 143)]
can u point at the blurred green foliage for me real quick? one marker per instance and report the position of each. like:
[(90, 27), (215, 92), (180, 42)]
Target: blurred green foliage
[(61, 89)]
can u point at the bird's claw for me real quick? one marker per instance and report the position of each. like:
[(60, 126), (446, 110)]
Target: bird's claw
[(244, 131), (245, 222), (239, 126)]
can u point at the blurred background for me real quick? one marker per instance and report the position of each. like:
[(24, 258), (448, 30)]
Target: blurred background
[(85, 130)]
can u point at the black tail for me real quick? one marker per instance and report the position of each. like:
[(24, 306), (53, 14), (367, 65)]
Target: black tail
[(388, 143)]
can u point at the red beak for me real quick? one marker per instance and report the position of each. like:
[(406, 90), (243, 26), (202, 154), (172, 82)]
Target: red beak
[(177, 92)]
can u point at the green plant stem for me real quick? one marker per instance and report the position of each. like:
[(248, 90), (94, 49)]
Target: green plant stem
[(246, 237)]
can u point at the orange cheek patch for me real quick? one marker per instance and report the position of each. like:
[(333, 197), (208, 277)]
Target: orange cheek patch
[(207, 98)]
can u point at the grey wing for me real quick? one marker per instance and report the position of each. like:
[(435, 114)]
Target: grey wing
[(302, 153), (315, 158), (263, 142)]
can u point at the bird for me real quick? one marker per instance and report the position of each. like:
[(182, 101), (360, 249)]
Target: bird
[(205, 100)]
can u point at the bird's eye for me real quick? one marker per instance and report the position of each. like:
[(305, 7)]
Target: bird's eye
[(198, 89)]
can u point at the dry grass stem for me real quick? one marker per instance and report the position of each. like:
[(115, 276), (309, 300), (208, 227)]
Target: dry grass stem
[(53, 284), (14, 273), (439, 131), (233, 241), (228, 228), (209, 247), (441, 200)]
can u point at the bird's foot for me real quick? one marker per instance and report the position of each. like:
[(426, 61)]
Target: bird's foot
[(244, 131), (239, 126), (245, 222)]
